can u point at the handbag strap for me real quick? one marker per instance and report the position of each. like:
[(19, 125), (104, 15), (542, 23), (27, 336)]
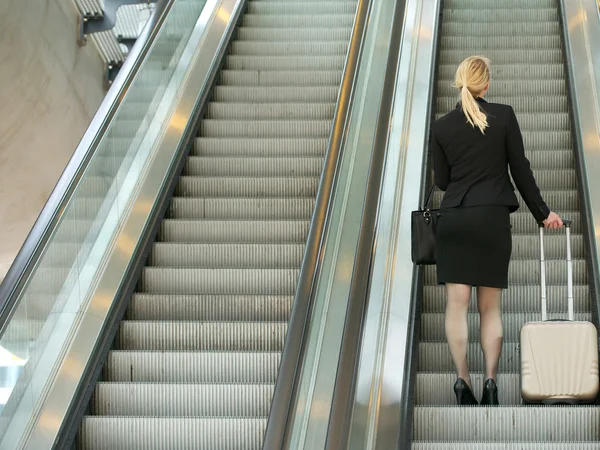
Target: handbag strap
[(428, 198)]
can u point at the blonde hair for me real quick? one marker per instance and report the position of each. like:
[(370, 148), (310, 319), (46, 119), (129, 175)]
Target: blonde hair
[(472, 76)]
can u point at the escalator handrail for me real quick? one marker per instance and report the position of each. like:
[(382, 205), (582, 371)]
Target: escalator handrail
[(55, 206), (338, 429), (292, 356)]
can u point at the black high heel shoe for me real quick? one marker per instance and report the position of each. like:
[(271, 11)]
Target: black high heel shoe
[(464, 395), (490, 393)]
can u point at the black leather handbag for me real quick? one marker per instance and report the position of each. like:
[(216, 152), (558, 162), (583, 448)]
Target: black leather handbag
[(423, 229)]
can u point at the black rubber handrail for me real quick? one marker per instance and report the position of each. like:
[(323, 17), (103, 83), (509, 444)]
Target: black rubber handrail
[(54, 208), (292, 356), (340, 417)]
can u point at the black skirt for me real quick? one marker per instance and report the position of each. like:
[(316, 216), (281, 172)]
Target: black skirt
[(473, 246)]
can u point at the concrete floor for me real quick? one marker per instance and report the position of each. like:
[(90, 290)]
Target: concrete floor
[(49, 91)]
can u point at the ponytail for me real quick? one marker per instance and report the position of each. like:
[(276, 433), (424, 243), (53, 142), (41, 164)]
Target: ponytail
[(473, 75), (475, 115)]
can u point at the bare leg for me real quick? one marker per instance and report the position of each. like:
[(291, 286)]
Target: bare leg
[(457, 330), (488, 302)]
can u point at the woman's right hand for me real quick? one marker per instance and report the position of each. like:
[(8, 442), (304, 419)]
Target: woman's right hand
[(553, 221)]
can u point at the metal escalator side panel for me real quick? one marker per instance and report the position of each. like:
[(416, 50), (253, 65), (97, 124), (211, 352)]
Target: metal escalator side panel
[(383, 395)]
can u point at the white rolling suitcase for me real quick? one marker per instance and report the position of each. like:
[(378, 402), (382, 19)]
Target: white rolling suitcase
[(559, 358)]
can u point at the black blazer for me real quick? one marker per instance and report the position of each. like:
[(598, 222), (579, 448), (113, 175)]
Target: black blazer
[(473, 167)]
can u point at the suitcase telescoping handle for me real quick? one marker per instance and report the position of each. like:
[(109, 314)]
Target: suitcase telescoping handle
[(567, 225)]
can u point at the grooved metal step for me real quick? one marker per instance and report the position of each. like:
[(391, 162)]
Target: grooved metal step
[(276, 94), (435, 389), (311, 19), (259, 147), (288, 48), (279, 63), (533, 56), (512, 423), (501, 29), (280, 78), (505, 446), (521, 298), (324, 7), (433, 324), (245, 232), (247, 187), (265, 128), (241, 208), (143, 366), (182, 399), (202, 336), (225, 308), (227, 256), (501, 13), (262, 111), (257, 167), (145, 433), (302, 34), (513, 43)]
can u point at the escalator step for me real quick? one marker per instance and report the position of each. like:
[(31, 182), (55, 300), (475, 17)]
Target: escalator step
[(499, 43), (192, 367), (436, 389), (504, 446), (293, 47), (277, 94), (490, 4), (247, 187), (517, 298), (511, 424), (265, 128), (280, 63), (309, 19), (242, 208), (202, 336), (451, 29), (156, 433), (262, 111), (212, 308), (182, 400), (219, 281), (256, 167), (257, 148), (246, 232), (302, 34), (227, 256), (432, 325), (302, 7), (435, 357), (280, 78), (511, 71), (532, 56), (501, 13)]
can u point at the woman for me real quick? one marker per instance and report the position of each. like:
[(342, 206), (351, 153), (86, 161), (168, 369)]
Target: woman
[(473, 146)]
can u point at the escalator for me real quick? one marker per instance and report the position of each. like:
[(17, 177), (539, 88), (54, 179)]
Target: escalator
[(196, 359), (523, 40)]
